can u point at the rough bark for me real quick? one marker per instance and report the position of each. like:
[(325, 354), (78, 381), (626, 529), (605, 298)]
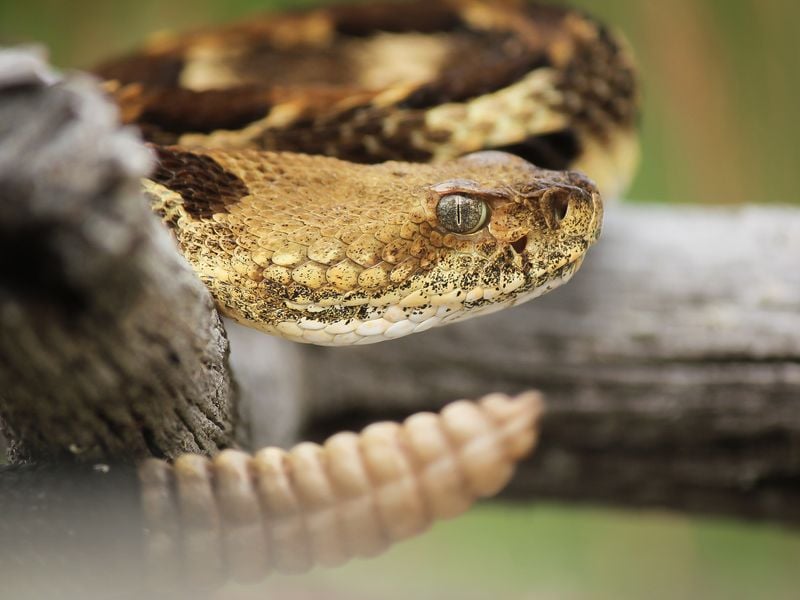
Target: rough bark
[(671, 366), (109, 345)]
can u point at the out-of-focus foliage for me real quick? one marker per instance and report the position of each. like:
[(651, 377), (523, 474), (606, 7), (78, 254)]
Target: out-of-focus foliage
[(722, 79)]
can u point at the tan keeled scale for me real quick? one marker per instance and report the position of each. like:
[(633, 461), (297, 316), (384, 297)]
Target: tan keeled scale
[(247, 515)]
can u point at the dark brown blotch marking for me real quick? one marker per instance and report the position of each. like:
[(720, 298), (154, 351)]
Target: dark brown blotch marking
[(422, 16), (481, 62), (602, 76), (556, 151), (205, 186), (161, 70), (166, 113), (345, 134)]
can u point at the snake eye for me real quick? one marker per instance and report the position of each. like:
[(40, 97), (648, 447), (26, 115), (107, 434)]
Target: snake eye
[(460, 213)]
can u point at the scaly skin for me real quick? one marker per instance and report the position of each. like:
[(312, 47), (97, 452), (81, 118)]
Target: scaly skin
[(337, 252), (324, 251), (429, 82)]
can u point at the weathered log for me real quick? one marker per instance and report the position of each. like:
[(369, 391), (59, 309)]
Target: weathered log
[(109, 345), (671, 365)]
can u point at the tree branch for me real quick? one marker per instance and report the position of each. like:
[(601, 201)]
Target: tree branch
[(109, 345), (671, 367)]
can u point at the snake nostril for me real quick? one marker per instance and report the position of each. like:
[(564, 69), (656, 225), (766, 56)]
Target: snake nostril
[(520, 244), (560, 207)]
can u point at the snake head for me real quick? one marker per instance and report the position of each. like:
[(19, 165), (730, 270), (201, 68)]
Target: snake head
[(512, 230), (481, 233), (322, 251)]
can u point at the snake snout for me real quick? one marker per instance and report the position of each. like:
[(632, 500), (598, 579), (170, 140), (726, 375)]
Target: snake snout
[(561, 203)]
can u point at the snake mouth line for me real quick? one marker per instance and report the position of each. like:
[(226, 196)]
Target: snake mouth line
[(557, 278), (396, 320)]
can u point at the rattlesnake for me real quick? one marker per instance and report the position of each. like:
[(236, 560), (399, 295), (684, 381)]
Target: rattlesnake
[(354, 174)]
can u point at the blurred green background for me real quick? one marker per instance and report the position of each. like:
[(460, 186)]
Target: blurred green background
[(720, 125)]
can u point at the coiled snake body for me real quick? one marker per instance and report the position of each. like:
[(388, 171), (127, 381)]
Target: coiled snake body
[(354, 174), (340, 252)]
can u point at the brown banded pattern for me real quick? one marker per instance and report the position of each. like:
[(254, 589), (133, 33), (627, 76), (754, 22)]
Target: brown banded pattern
[(367, 83)]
